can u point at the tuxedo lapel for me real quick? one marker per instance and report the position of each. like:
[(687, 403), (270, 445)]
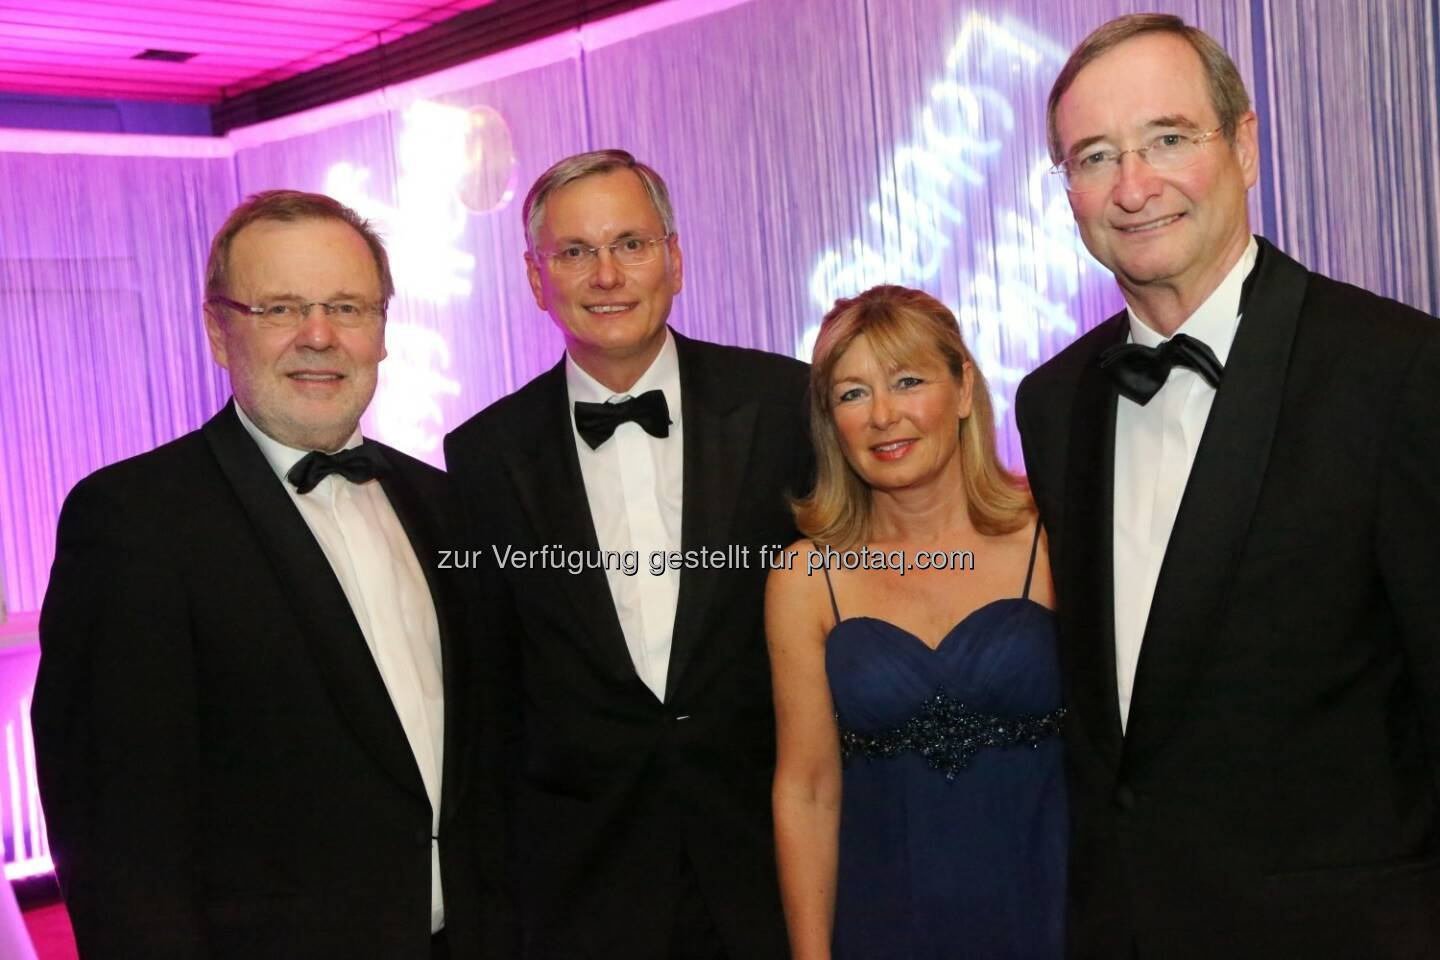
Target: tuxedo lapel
[(545, 473), (316, 599), (1183, 628), (719, 427), (424, 534), (1085, 559)]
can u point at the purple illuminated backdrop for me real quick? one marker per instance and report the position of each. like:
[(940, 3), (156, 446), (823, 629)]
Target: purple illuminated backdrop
[(813, 147), (817, 146)]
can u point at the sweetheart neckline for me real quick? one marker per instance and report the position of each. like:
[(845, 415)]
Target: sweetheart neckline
[(953, 630)]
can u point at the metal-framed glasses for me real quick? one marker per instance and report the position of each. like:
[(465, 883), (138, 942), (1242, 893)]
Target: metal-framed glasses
[(1096, 168), (627, 252), (292, 313)]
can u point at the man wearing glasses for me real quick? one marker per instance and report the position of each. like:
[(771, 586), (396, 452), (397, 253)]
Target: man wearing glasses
[(251, 673), (1240, 476), (633, 700)]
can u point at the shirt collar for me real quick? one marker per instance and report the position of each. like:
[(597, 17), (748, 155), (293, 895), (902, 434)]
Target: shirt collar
[(663, 374), (280, 457), (1214, 321)]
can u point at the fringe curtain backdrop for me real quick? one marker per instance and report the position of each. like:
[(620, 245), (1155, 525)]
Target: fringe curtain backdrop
[(813, 147), (102, 354)]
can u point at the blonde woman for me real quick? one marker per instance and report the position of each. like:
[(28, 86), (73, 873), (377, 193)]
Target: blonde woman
[(919, 795)]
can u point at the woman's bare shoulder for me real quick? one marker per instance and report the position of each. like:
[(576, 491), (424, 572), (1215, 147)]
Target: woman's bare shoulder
[(794, 587), (791, 566)]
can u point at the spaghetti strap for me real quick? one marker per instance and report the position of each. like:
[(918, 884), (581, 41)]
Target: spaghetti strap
[(1029, 571), (834, 607)]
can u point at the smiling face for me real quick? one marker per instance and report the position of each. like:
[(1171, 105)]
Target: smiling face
[(305, 386), (613, 317), (898, 425), (1179, 231)]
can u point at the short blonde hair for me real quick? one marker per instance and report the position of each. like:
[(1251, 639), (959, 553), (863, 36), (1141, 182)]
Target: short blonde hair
[(903, 327)]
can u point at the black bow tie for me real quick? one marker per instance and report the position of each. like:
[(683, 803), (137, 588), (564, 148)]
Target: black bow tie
[(596, 422), (1139, 372), (357, 465)]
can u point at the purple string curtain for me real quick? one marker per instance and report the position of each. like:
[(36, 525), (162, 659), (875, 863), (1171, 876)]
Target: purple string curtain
[(1351, 148), (102, 350), (813, 147)]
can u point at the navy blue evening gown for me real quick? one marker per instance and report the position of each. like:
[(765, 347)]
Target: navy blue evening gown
[(953, 820)]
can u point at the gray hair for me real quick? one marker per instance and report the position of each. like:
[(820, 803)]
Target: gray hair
[(587, 165), (1227, 90)]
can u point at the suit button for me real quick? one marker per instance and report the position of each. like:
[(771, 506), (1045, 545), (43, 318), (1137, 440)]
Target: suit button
[(1124, 797), (422, 838)]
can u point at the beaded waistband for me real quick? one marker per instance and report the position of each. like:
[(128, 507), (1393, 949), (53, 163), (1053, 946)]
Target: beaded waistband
[(948, 734)]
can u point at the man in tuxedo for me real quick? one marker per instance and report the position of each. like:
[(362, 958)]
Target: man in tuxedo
[(634, 698), (1240, 475), (251, 672)]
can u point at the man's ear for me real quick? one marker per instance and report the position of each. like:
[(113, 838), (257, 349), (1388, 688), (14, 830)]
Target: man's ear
[(537, 286), (215, 333), (1247, 147), (677, 264)]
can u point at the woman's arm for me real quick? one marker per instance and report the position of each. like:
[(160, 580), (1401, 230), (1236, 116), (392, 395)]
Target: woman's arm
[(806, 794)]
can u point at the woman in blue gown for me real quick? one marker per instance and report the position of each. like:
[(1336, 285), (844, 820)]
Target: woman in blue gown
[(919, 793)]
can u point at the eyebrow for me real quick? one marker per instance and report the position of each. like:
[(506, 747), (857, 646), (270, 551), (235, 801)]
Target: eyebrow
[(338, 295), (279, 295), (566, 241), (1079, 146), (839, 381), (1159, 123), (1173, 120)]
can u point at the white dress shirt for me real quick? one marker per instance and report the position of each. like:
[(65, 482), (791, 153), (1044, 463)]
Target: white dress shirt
[(634, 483), (371, 555), (1155, 448)]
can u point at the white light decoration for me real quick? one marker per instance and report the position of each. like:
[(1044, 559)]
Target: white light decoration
[(30, 843), (452, 162), (424, 229), (1019, 283), (407, 409)]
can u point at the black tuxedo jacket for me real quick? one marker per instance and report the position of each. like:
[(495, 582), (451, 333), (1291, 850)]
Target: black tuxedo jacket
[(614, 791), (1277, 790), (223, 772)]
